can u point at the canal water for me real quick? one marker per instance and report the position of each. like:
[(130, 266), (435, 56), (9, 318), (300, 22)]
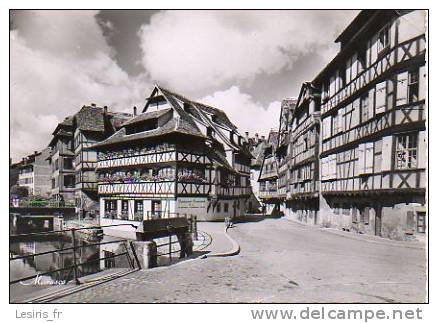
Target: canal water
[(54, 262)]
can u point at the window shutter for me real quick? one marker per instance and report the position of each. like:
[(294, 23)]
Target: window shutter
[(369, 154), (341, 120), (348, 71), (326, 127), (324, 168), (361, 159), (371, 103), (421, 157), (354, 66), (380, 97), (402, 88), (332, 85), (332, 166), (422, 83), (355, 116), (387, 153)]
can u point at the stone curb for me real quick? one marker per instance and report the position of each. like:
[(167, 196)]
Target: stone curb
[(357, 237), (234, 251), (381, 241)]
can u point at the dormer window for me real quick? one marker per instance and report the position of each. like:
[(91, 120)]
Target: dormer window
[(214, 118), (232, 136), (186, 107), (142, 126), (210, 132)]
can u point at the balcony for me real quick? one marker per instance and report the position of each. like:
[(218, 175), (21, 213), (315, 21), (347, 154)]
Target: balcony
[(163, 188), (304, 156), (153, 158), (234, 191), (139, 216), (268, 194)]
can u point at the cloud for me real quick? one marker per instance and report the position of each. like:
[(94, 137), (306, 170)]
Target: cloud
[(209, 49), (246, 114), (59, 62)]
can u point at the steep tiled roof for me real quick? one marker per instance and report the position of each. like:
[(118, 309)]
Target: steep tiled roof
[(221, 116), (90, 119), (183, 121), (68, 121), (273, 138), (258, 154), (117, 119), (146, 116), (175, 125), (219, 159)]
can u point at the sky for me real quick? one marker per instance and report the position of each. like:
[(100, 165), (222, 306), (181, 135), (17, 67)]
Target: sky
[(243, 62)]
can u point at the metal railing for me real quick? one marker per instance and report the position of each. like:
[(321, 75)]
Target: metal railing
[(154, 215), (133, 261)]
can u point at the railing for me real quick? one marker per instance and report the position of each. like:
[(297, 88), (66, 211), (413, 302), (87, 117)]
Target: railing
[(154, 215), (44, 203), (268, 194), (133, 261)]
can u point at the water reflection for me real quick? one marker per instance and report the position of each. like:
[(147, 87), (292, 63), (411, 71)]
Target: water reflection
[(90, 255)]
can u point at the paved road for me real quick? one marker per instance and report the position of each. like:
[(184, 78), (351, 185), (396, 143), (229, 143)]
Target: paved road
[(280, 261)]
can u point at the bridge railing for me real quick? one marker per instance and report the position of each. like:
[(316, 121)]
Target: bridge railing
[(131, 257)]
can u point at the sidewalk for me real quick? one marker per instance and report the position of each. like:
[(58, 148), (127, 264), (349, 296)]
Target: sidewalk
[(219, 241), (414, 244)]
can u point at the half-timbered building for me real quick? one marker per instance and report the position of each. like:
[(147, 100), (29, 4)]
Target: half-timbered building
[(257, 147), (34, 173), (373, 138), (283, 149), (268, 176), (177, 157), (303, 157), (73, 164), (61, 160)]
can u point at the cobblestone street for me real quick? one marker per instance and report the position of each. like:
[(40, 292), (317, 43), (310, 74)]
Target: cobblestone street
[(280, 261)]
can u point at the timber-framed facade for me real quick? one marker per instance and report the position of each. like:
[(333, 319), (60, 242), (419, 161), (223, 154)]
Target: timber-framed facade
[(373, 110), (371, 103), (268, 176), (176, 157), (73, 178), (303, 162)]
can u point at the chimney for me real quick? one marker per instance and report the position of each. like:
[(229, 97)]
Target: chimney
[(263, 138), (35, 152), (246, 136), (135, 110), (93, 105), (105, 110), (257, 137)]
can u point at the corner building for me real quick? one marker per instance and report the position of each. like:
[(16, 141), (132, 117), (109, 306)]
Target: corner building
[(177, 157)]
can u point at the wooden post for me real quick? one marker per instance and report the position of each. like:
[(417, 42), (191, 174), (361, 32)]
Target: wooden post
[(195, 219), (170, 246)]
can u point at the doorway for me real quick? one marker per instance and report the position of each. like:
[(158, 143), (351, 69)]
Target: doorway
[(156, 208), (378, 221)]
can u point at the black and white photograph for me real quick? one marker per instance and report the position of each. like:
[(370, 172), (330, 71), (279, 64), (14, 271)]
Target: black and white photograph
[(218, 156)]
